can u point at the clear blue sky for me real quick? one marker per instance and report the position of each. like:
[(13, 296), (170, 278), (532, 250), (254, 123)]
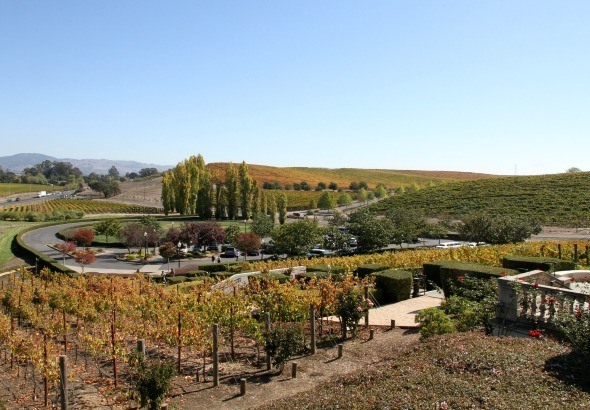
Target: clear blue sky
[(482, 86)]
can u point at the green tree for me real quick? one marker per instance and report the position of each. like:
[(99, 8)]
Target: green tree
[(297, 238), (344, 199), (272, 207), (113, 173), (168, 200), (312, 204), (231, 232), (231, 184), (371, 232), (205, 192), (245, 189), (362, 194), (325, 201), (108, 227), (380, 191), (407, 224), (333, 186), (282, 207), (262, 225)]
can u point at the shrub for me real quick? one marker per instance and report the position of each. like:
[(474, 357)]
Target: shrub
[(307, 276), (576, 328), (393, 285), (196, 273), (154, 382), (283, 342), (434, 321), (528, 263), (334, 270), (173, 280), (368, 269), (444, 272), (221, 275), (215, 267), (270, 277), (351, 307)]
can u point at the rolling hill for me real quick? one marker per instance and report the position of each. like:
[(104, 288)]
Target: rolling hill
[(560, 199), (344, 176)]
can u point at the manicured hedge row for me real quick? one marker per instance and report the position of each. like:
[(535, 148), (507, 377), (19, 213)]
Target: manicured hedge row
[(441, 272), (368, 269), (216, 267), (334, 270), (393, 285), (270, 277), (311, 275), (528, 263), (196, 273)]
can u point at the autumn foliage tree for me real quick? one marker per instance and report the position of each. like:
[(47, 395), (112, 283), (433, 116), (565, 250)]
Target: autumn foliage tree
[(247, 242), (83, 258), (65, 248), (83, 236)]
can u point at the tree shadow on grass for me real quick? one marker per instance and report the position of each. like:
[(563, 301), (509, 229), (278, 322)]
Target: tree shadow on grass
[(571, 368)]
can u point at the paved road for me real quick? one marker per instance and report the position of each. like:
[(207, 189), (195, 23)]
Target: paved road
[(106, 262)]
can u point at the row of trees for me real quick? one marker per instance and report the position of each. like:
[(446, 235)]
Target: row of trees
[(192, 189)]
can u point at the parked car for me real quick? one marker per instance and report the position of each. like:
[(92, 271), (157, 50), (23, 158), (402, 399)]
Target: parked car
[(17, 198), (317, 253), (213, 248), (447, 245), (231, 252)]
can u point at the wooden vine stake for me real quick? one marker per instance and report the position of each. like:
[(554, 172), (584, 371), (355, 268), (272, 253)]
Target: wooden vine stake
[(63, 381), (312, 327), (215, 356), (267, 329), (179, 342), (113, 346)]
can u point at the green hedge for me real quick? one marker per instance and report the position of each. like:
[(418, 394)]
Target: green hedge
[(216, 267), (441, 272), (393, 285), (334, 270), (173, 280), (311, 275), (368, 269), (271, 277), (528, 263), (196, 273), (221, 275)]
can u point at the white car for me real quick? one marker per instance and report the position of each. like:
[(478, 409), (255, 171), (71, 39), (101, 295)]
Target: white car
[(448, 245)]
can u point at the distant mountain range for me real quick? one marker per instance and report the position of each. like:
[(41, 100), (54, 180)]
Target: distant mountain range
[(16, 163)]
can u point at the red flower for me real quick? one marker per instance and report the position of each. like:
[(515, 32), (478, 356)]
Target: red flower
[(461, 277), (536, 284), (521, 279), (578, 313), (535, 333), (503, 273), (572, 279)]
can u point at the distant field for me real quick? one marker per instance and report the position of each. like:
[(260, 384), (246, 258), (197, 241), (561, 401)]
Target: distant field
[(9, 189), (149, 192), (93, 206), (344, 176), (561, 199)]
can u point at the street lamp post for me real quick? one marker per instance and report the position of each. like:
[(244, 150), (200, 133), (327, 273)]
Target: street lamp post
[(36, 266), (178, 245), (145, 242)]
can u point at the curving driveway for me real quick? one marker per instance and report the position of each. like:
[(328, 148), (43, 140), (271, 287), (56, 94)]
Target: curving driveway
[(106, 262)]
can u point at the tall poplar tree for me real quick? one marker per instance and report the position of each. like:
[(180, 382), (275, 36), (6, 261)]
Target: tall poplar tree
[(193, 171), (168, 192), (282, 207), (272, 207), (245, 190), (255, 198), (231, 185), (205, 194)]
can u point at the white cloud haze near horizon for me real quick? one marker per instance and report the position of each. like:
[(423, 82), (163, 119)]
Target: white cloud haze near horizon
[(493, 87)]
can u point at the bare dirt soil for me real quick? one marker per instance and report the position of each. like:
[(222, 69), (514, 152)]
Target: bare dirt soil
[(90, 390)]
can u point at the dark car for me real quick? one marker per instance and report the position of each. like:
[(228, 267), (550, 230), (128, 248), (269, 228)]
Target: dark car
[(17, 199), (213, 248)]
